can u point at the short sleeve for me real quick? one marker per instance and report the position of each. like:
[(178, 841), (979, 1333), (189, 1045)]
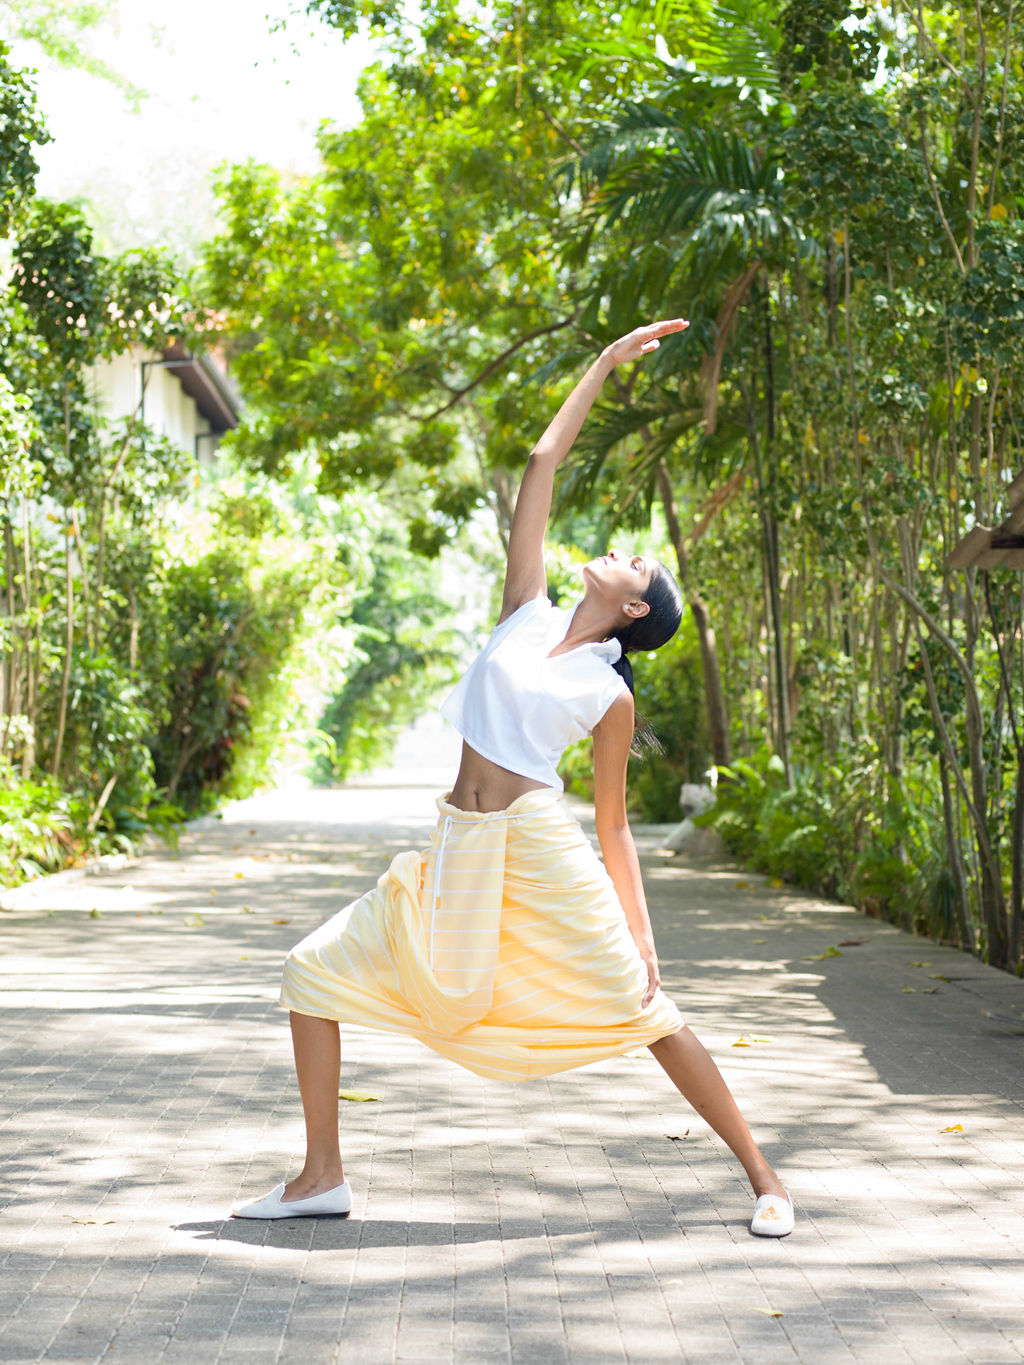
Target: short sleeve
[(612, 689)]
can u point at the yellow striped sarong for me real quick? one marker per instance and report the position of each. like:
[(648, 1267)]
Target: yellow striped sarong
[(503, 947)]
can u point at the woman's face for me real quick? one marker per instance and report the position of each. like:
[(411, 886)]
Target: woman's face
[(618, 578)]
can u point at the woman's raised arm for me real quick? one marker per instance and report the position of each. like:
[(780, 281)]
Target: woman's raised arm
[(524, 575)]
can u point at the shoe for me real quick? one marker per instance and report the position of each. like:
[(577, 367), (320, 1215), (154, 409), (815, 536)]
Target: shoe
[(773, 1217), (336, 1203)]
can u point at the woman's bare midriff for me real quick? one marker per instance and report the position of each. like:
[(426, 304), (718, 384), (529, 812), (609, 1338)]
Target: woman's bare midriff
[(484, 786)]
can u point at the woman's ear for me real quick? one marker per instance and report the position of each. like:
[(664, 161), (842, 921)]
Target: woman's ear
[(637, 608)]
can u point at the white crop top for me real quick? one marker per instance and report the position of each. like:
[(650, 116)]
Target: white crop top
[(521, 709)]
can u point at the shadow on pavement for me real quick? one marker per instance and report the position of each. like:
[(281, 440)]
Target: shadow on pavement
[(334, 1234)]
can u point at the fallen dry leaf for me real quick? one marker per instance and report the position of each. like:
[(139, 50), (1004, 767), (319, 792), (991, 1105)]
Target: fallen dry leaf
[(1003, 1018), (101, 1222), (359, 1096), (953, 1128), (281, 921), (239, 874), (741, 883), (909, 990), (760, 940), (194, 922), (937, 976), (919, 964), (768, 1312), (851, 942), (930, 990), (678, 1137), (820, 957)]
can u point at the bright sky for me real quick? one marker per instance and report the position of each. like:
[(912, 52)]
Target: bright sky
[(221, 87)]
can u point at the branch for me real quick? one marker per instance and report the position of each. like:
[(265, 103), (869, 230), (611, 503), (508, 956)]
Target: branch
[(493, 365), (1002, 109), (973, 704), (711, 369), (561, 131), (935, 195), (922, 32)]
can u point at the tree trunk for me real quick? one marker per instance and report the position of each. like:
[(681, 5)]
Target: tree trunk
[(32, 658), (7, 700), (1015, 946), (718, 721), (965, 930), (69, 629)]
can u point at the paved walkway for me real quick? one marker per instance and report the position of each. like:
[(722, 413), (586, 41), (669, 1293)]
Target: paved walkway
[(589, 1218)]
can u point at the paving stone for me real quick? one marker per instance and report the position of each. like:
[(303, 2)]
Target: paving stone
[(147, 1079)]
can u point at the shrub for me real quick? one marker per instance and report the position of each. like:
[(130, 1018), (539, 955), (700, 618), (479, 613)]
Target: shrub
[(35, 825), (828, 832), (228, 631)]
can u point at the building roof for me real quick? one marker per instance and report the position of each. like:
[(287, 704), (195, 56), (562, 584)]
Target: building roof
[(207, 385), (988, 547)]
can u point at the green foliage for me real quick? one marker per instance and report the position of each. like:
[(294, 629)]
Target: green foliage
[(21, 129), (404, 654), (989, 312), (389, 311), (34, 823), (60, 27), (818, 38), (348, 15), (57, 279), (825, 832), (229, 622), (106, 731), (82, 304)]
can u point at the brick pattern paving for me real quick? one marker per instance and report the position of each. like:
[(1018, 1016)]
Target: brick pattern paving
[(588, 1218)]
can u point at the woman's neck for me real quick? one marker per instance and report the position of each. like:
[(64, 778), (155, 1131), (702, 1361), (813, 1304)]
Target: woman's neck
[(590, 622)]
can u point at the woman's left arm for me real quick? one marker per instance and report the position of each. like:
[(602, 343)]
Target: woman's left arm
[(613, 736)]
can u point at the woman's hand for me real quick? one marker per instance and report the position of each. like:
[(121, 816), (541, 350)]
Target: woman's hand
[(642, 340), (650, 960)]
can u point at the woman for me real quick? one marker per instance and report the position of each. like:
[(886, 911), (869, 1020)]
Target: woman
[(507, 946)]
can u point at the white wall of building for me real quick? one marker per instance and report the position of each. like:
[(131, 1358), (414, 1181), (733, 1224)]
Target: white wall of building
[(115, 387)]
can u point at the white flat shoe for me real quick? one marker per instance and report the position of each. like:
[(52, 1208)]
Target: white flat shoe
[(773, 1216), (336, 1203)]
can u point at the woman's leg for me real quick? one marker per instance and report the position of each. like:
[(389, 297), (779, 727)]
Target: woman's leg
[(318, 1066), (697, 1078)]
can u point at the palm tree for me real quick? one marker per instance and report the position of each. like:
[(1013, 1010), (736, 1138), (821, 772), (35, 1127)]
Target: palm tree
[(701, 211)]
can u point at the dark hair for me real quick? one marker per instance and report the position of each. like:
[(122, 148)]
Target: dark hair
[(647, 632)]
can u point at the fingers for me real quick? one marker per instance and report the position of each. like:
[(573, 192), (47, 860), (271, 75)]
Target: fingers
[(659, 329), (643, 340), (653, 982), (669, 325)]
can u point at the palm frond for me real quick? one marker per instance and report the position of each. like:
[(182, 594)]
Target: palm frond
[(654, 177)]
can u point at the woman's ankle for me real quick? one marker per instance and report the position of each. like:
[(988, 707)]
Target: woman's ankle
[(764, 1180), (322, 1169)]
